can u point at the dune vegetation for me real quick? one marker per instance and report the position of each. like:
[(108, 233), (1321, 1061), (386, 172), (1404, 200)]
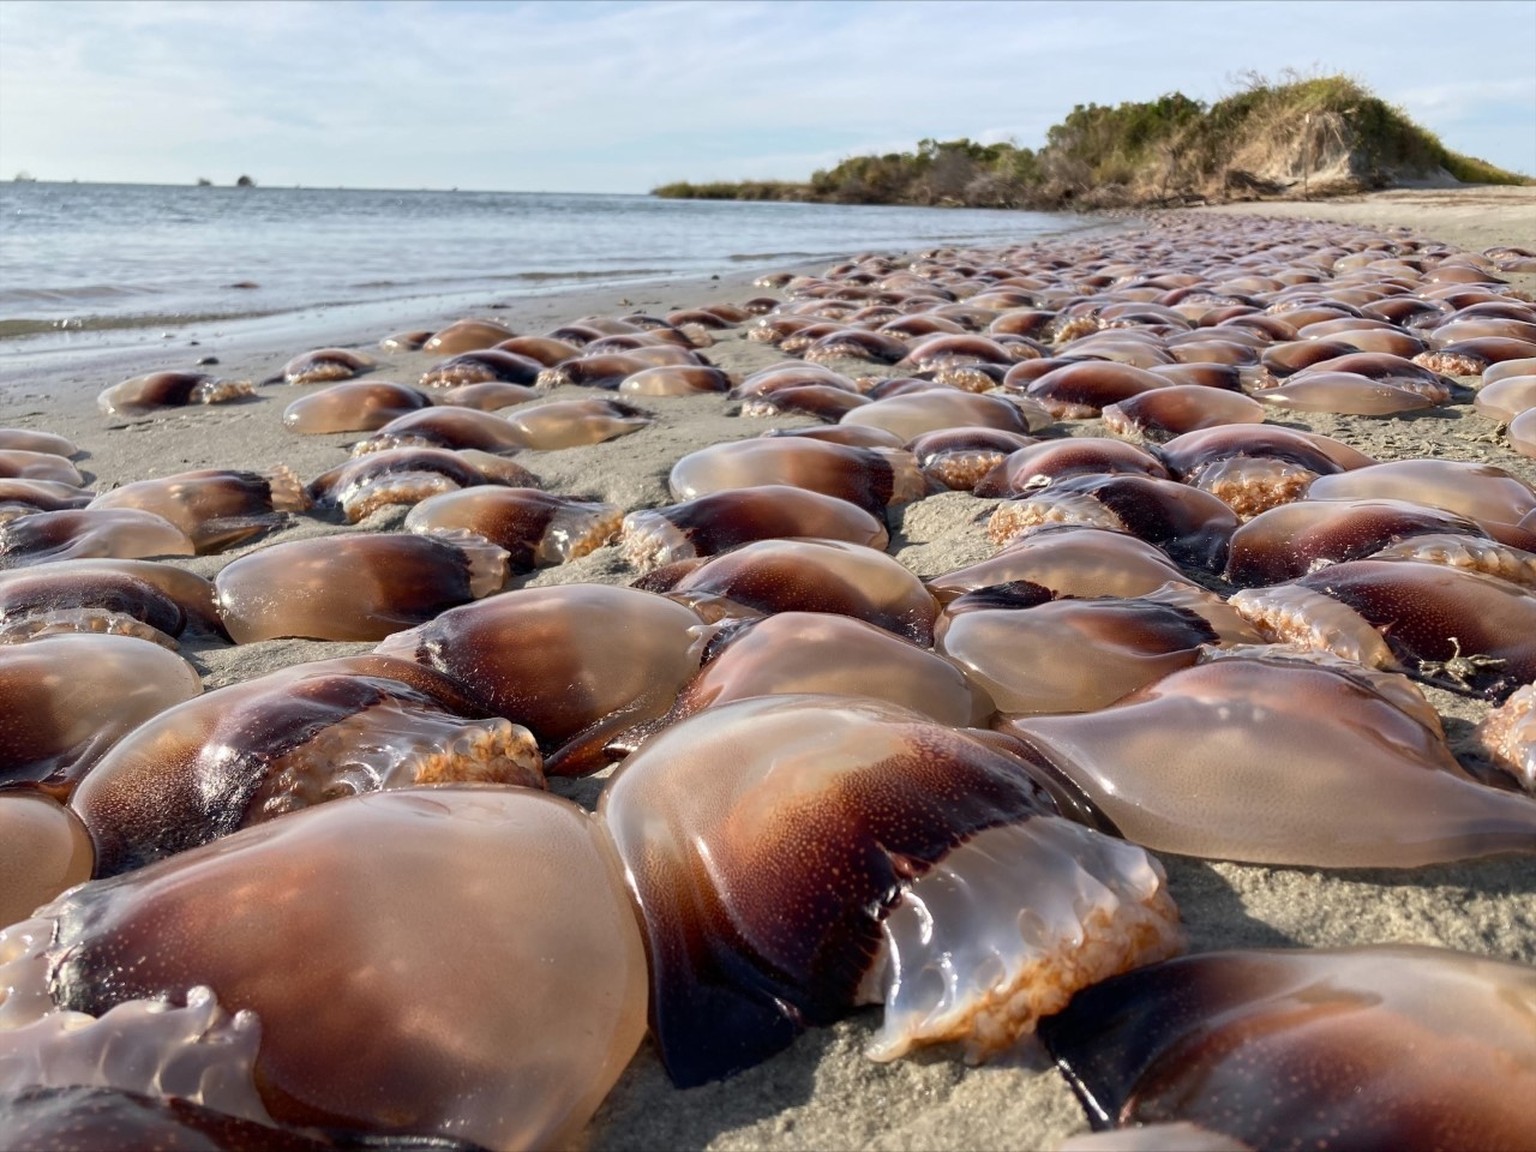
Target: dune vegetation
[(1299, 137)]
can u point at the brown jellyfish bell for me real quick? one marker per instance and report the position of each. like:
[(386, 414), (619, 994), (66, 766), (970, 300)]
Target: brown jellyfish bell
[(1270, 758), (1192, 526), (363, 485), (1502, 370), (360, 407), (1067, 560), (823, 401), (852, 435), (1163, 413), (1294, 355), (1522, 433), (1083, 389), (364, 1033), (44, 849), (126, 533), (143, 394), (19, 464), (534, 528), (1036, 464), (1203, 349), (326, 366), (1348, 393), (795, 856), (675, 380), (466, 336), (1449, 626), (1287, 542), (1506, 398), (1482, 492), (606, 370), (774, 329), (576, 423), (30, 440), (355, 586), (958, 348), (1471, 553), (216, 507), (958, 458), (408, 341), (1394, 370), (24, 497), (489, 396), (69, 698), (828, 654), (574, 663), (1124, 347), (1033, 654), (1255, 467), (856, 344), (579, 333), (61, 597), (809, 575), (653, 346), (790, 374), (546, 350), (308, 734), (1022, 321), (1390, 1046), (108, 595), (1472, 357), (1388, 341), (872, 478), (1507, 258), (912, 415), (720, 521), (659, 348), (444, 427), (1507, 735), (481, 367)]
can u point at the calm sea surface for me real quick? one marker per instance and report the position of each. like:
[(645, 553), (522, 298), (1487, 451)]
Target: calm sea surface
[(79, 258)]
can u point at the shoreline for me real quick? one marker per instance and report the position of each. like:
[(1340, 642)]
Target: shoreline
[(242, 287), (822, 1092)]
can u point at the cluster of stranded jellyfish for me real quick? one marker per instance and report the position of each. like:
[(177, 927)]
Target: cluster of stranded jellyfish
[(348, 900)]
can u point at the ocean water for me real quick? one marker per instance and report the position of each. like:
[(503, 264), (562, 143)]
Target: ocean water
[(97, 258)]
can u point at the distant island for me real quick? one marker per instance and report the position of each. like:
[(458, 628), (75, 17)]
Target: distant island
[(245, 182), (1305, 137)]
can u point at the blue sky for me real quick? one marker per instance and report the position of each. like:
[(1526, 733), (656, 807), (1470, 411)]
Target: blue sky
[(619, 97)]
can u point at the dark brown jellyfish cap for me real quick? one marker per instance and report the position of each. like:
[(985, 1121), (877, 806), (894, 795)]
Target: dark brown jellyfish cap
[(778, 846)]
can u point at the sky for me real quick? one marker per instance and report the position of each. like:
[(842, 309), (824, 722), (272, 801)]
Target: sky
[(620, 97)]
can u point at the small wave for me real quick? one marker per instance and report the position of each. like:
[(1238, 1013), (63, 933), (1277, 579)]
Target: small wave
[(584, 274), (535, 277), (745, 257), (18, 328), (13, 296)]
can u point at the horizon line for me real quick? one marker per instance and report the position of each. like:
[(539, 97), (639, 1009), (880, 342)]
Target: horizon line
[(24, 178)]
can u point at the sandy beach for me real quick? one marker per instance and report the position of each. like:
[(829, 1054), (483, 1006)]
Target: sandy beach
[(823, 1093)]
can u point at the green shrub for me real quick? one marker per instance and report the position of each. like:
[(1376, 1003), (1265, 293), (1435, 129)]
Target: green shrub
[(1140, 152)]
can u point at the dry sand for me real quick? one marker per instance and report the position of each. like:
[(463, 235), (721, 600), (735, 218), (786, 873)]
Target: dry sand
[(1471, 218), (822, 1093)]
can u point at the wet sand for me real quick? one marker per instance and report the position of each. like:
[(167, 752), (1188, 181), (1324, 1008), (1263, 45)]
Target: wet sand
[(822, 1093)]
